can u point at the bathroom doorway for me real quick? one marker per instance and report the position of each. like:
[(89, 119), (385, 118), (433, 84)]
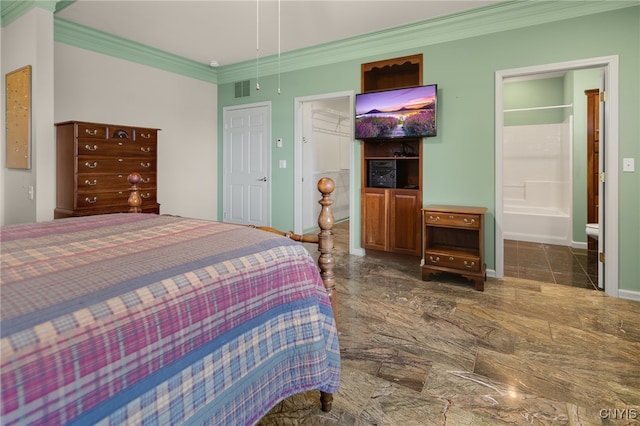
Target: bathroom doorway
[(520, 201)]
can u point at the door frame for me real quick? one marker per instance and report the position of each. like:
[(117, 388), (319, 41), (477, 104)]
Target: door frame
[(611, 114), (298, 147), (225, 146)]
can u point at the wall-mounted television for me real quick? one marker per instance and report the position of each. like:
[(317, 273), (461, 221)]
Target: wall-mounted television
[(397, 113)]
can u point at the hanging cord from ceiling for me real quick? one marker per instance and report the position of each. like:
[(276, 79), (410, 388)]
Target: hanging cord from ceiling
[(279, 50), (257, 44)]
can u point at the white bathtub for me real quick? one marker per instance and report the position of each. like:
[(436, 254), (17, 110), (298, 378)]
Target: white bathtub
[(536, 224)]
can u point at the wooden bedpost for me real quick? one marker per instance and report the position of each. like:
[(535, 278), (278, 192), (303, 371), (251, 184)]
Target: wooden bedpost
[(326, 261), (135, 201)]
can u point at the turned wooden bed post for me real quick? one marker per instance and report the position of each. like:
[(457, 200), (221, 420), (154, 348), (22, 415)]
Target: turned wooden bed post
[(326, 261), (135, 201)]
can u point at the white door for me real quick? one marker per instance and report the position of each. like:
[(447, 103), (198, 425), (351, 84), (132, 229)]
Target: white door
[(246, 169)]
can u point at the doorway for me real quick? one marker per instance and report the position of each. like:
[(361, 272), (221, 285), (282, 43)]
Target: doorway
[(608, 242), (323, 148), (246, 174)]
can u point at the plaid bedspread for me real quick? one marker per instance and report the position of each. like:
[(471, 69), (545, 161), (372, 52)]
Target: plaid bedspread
[(146, 319)]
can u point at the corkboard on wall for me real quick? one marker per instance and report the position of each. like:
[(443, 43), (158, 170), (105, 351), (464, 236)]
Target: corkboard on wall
[(18, 118)]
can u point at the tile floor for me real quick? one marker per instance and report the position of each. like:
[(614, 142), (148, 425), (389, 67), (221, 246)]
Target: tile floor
[(551, 263), (523, 352)]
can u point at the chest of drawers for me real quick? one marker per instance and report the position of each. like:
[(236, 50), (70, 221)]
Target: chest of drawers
[(453, 241), (93, 161)]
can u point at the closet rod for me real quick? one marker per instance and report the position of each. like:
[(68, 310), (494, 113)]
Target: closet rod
[(536, 108)]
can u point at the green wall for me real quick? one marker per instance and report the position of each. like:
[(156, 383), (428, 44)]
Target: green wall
[(459, 162), (541, 92)]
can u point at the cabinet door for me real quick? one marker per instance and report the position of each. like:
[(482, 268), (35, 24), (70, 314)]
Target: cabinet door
[(375, 219), (405, 222)]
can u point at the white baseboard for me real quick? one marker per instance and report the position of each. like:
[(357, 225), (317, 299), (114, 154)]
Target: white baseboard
[(629, 294)]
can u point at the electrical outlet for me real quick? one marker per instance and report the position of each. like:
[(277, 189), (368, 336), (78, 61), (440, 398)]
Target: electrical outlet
[(628, 165)]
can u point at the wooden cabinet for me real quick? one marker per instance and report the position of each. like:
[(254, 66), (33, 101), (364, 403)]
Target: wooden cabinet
[(393, 220), (391, 169), (93, 161), (453, 241)]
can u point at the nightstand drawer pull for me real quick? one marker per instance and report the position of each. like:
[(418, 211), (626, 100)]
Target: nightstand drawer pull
[(469, 222), (91, 183), (469, 264), (434, 219), (434, 260), (91, 148), (91, 200), (91, 165)]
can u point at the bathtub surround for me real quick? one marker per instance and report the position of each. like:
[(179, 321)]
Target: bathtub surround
[(537, 183)]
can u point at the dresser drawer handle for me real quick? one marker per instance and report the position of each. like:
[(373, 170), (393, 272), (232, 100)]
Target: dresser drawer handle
[(145, 180), (91, 183), (469, 222), (147, 195), (145, 135), (91, 200), (91, 148), (145, 165), (145, 148), (120, 160), (91, 165), (120, 143), (91, 132), (469, 264), (434, 219), (434, 260)]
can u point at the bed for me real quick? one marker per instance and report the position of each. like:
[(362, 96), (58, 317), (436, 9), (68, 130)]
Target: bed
[(154, 319)]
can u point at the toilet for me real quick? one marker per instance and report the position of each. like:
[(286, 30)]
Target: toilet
[(593, 229)]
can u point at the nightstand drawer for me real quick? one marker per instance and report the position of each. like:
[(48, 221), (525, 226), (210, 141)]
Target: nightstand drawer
[(452, 219), (462, 262)]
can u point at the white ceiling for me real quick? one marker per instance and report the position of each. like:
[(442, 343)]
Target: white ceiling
[(226, 30)]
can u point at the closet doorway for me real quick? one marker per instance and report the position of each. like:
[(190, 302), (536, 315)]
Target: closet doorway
[(323, 148), (607, 241)]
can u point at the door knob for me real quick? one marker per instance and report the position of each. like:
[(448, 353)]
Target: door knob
[(264, 179)]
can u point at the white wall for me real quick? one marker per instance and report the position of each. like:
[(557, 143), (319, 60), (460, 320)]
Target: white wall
[(94, 87), (29, 41)]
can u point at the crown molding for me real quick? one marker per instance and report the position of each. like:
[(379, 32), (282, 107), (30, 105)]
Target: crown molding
[(503, 16), (494, 18), (101, 42), (10, 10)]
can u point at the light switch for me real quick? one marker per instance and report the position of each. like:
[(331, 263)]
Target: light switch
[(628, 165), (283, 164)]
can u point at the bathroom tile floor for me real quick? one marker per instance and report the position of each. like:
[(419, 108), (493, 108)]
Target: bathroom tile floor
[(551, 263), (522, 352)]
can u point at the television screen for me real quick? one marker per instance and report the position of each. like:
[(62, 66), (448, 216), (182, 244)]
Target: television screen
[(397, 113)]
